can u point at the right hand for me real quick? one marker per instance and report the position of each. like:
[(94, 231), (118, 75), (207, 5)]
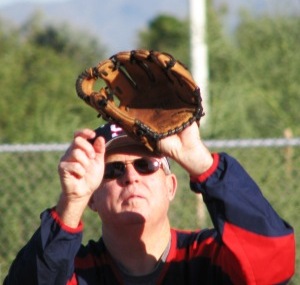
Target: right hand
[(188, 150), (81, 171)]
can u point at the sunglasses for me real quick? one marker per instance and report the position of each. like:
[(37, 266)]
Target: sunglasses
[(144, 165)]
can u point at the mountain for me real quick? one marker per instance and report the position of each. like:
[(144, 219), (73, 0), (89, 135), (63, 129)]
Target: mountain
[(116, 23)]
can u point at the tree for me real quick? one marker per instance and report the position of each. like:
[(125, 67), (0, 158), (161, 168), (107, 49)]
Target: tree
[(39, 102), (168, 34), (274, 70), (79, 46), (263, 80)]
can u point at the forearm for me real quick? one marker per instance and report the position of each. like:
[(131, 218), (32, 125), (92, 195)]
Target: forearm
[(195, 159), (48, 258), (248, 226), (228, 187)]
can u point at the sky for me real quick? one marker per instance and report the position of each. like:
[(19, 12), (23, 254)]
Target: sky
[(132, 21), (130, 16), (8, 2)]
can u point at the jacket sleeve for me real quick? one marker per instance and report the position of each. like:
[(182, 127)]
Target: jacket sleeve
[(258, 246), (48, 258)]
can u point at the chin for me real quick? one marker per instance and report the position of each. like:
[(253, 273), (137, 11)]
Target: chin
[(132, 217)]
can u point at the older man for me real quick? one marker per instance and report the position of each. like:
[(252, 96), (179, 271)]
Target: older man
[(131, 189)]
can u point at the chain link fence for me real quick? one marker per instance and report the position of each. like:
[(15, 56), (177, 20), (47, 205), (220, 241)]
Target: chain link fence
[(29, 184)]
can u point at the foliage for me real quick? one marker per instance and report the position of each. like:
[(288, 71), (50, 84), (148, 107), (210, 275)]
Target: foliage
[(258, 77), (168, 34), (274, 70), (39, 102)]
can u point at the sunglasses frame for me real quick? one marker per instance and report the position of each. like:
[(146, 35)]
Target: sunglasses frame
[(116, 172)]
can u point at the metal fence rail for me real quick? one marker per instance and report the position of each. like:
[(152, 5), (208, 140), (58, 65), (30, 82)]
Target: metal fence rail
[(29, 184), (237, 143)]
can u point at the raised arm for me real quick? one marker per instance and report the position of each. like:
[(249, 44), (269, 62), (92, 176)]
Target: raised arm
[(48, 258), (81, 171), (256, 245)]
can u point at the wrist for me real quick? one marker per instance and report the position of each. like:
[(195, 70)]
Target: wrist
[(206, 174), (197, 160), (56, 217), (70, 211)]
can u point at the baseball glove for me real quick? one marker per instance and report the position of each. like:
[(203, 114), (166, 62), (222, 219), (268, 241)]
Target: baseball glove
[(148, 93)]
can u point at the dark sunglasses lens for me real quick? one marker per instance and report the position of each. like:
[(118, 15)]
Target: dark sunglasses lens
[(114, 170), (142, 165), (146, 165)]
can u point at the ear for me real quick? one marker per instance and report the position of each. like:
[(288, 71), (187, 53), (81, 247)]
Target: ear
[(172, 186), (91, 204)]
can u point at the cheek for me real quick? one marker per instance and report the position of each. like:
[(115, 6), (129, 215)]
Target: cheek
[(159, 189), (167, 189)]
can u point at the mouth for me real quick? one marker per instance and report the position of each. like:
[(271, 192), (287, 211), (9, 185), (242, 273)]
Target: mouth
[(133, 197)]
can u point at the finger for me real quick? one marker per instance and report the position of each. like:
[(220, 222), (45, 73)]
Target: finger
[(80, 156), (82, 143), (99, 145), (71, 168), (85, 133)]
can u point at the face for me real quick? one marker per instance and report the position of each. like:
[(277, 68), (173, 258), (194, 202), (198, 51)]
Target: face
[(134, 197)]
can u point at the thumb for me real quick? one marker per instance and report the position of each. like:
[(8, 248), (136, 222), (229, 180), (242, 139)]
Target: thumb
[(99, 147)]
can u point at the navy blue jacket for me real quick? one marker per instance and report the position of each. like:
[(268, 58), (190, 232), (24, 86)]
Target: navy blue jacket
[(249, 244)]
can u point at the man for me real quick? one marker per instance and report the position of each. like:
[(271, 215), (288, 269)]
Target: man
[(131, 189)]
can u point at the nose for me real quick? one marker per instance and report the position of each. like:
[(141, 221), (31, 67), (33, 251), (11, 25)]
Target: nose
[(130, 175)]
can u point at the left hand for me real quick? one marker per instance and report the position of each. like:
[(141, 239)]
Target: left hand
[(188, 150)]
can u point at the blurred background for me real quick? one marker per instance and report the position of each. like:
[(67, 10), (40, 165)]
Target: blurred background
[(252, 96)]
